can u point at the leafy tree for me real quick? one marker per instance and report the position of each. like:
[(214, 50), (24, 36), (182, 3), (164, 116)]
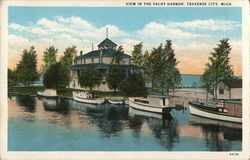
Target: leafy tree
[(207, 81), (115, 77), (53, 77), (90, 78), (152, 65), (219, 66), (117, 57), (134, 86), (169, 77), (160, 66), (137, 55), (49, 57), (12, 78), (27, 67), (68, 58)]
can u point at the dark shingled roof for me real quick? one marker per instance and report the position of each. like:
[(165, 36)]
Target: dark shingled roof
[(103, 66), (234, 83), (105, 53), (107, 43)]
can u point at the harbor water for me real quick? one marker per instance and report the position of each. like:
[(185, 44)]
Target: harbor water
[(41, 124)]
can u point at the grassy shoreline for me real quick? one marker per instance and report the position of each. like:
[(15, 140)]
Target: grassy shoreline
[(62, 92)]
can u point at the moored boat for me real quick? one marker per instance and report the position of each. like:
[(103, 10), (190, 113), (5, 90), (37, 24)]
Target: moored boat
[(134, 112), (198, 120), (49, 93), (86, 97), (126, 101), (115, 100), (153, 103), (230, 111)]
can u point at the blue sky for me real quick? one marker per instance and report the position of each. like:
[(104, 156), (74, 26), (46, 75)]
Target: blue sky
[(189, 28)]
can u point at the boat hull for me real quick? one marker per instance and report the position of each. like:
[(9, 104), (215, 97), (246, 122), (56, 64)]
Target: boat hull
[(133, 112), (47, 96), (195, 110), (147, 108), (115, 102), (88, 100)]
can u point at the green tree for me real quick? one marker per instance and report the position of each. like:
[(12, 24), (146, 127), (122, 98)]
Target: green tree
[(169, 77), (117, 57), (12, 78), (137, 55), (49, 57), (53, 77), (68, 58), (152, 65), (90, 78), (160, 67), (27, 67), (134, 86), (115, 77), (218, 66), (207, 81)]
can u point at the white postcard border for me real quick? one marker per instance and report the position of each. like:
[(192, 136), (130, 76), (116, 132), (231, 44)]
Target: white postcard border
[(116, 155)]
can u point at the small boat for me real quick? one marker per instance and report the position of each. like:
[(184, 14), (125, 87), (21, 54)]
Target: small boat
[(230, 111), (153, 103), (134, 112), (126, 101), (115, 100), (198, 120), (48, 93), (86, 97)]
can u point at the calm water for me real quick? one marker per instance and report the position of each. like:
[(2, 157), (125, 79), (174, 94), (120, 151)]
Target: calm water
[(39, 124), (188, 80)]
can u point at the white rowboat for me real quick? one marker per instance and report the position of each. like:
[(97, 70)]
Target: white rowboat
[(115, 101), (49, 93), (86, 97)]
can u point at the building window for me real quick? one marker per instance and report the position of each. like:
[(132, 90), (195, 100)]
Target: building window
[(221, 90), (92, 60)]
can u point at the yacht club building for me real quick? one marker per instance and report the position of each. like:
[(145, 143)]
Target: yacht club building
[(101, 60)]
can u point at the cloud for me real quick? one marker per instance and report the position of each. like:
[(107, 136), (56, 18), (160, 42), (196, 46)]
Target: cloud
[(39, 31), (52, 25), (75, 22), (63, 32), (210, 24), (17, 41), (155, 30), (16, 27), (128, 45)]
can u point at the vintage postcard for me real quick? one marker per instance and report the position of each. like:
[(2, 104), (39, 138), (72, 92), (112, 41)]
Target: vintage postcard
[(124, 79)]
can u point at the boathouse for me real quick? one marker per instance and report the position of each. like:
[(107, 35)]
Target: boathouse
[(228, 89), (101, 60)]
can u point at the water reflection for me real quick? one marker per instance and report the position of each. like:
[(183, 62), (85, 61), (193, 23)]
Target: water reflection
[(60, 106), (118, 121), (27, 102), (163, 126), (108, 118), (216, 132)]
